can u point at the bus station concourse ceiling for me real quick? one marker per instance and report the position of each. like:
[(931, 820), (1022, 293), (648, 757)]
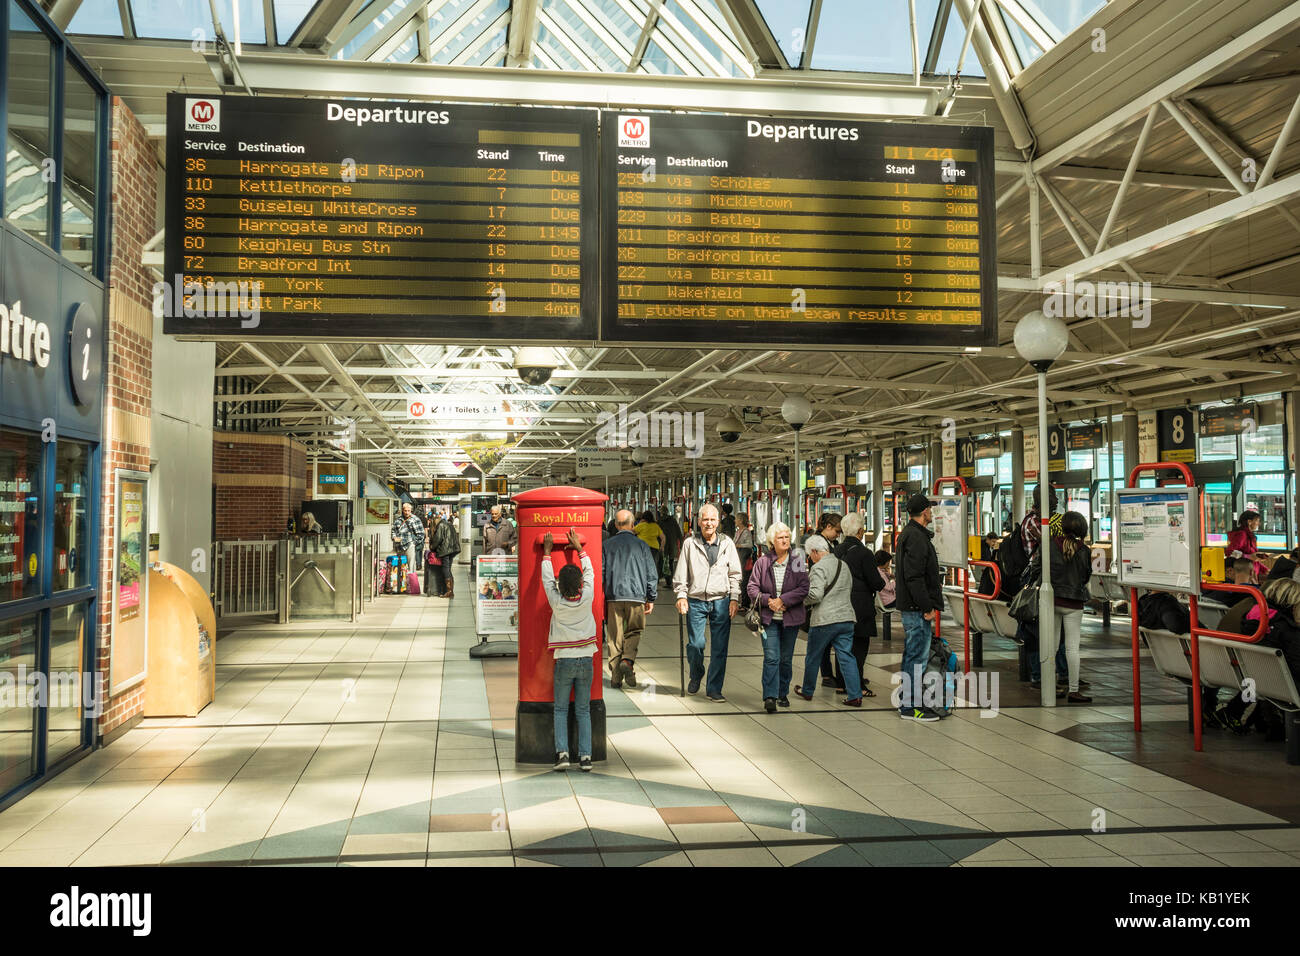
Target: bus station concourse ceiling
[(1148, 144)]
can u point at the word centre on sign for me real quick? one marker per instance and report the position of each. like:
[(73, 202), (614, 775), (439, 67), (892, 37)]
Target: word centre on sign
[(24, 337)]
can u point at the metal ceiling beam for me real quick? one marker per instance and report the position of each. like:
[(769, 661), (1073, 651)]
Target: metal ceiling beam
[(278, 73), (1274, 193), (1228, 297), (521, 35), (1233, 50), (752, 30), (62, 12), (323, 23)]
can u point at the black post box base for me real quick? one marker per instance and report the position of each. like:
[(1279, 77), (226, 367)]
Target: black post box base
[(535, 732)]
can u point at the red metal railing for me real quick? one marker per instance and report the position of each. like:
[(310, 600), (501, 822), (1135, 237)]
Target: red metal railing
[(1198, 632), (967, 594)]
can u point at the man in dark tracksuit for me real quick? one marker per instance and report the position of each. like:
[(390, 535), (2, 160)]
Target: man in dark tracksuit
[(920, 596), (631, 582)]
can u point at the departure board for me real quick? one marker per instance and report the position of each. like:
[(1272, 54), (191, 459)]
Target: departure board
[(370, 220), (735, 229)]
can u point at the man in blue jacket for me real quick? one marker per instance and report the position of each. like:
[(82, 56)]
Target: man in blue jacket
[(631, 586), (919, 598)]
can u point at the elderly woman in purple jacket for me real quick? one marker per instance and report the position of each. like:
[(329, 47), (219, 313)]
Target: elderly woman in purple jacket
[(777, 585)]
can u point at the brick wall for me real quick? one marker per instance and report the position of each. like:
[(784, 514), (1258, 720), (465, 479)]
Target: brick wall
[(259, 481), (128, 408)]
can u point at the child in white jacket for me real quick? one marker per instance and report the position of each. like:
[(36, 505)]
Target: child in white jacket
[(572, 641)]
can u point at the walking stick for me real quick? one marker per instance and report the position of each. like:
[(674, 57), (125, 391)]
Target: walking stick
[(681, 652)]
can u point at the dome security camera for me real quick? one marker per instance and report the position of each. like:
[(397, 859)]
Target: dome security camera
[(729, 429), (534, 365)]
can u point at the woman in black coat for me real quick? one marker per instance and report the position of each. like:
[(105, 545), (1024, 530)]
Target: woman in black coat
[(861, 562)]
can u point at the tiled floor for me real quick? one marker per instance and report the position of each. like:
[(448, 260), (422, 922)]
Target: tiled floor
[(384, 744)]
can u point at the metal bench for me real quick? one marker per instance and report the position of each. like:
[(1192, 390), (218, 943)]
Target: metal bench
[(1229, 664)]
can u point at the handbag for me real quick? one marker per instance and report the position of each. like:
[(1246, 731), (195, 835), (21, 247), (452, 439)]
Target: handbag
[(434, 560), (1024, 606)]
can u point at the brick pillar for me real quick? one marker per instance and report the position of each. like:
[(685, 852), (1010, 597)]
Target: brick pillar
[(129, 402), (260, 480)]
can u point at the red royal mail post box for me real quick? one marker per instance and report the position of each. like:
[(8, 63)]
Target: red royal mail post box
[(555, 509)]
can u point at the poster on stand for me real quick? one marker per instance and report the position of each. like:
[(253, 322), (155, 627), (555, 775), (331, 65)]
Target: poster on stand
[(1158, 540), (496, 597), (949, 529)]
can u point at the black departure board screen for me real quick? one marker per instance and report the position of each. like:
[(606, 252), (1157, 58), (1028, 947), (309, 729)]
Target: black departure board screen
[(724, 229), (370, 220)]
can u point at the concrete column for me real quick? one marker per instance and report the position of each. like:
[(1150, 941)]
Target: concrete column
[(1131, 459), (1291, 414), (1017, 473), (936, 462), (878, 494)]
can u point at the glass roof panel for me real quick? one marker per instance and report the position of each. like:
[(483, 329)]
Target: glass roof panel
[(98, 18), (680, 15), (950, 50), (579, 32), (619, 22), (1064, 15), (788, 20), (657, 61), (493, 49), (468, 33), (841, 30), (1028, 50), (407, 52), (177, 19), (382, 16), (563, 58), (288, 15)]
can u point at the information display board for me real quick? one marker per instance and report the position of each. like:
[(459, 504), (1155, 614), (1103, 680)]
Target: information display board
[(949, 529), (1158, 545), (1229, 419), (372, 220), (766, 230)]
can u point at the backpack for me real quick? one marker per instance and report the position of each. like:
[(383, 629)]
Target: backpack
[(942, 662), (1013, 559)]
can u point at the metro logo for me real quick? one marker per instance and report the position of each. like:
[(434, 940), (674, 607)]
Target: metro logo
[(634, 132), (416, 409), (202, 116)]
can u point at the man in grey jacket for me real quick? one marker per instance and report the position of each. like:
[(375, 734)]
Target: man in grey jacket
[(631, 585), (499, 532), (830, 590), (707, 585)]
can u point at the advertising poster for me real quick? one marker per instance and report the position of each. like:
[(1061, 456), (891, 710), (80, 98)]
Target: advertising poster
[(128, 653), (379, 511), (496, 597), (130, 548)]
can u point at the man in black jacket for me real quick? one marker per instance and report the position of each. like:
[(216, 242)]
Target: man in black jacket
[(920, 596)]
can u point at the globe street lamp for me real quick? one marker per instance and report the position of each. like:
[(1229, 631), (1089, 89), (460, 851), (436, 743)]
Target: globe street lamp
[(1040, 340), (639, 457), (796, 411)]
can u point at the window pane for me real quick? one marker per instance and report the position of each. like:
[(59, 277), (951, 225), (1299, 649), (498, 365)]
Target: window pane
[(17, 720), (71, 517), (289, 15), (97, 17), (66, 680), (80, 167), (839, 42), (787, 20), (20, 515), (27, 85), (178, 19)]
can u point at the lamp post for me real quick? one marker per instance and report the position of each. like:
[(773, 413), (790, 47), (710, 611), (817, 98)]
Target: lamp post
[(796, 411), (1040, 340), (639, 457)]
